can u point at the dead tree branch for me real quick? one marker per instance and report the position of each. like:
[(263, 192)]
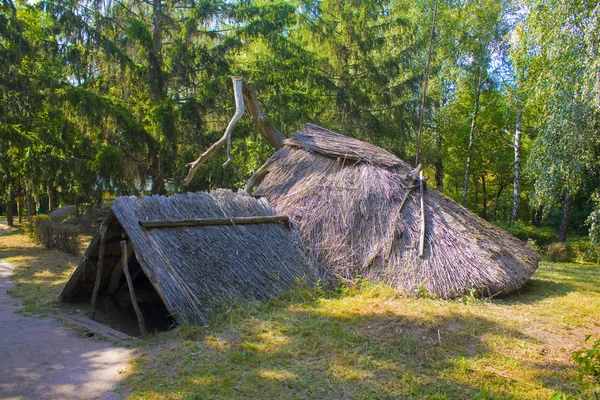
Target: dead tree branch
[(226, 138), (245, 100)]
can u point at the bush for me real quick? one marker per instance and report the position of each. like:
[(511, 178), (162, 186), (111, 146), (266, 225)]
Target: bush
[(588, 360), (559, 252), (541, 236), (52, 235), (585, 250)]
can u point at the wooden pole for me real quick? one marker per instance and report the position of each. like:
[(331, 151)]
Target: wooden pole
[(138, 313), (117, 272), (267, 219), (422, 236), (99, 269)]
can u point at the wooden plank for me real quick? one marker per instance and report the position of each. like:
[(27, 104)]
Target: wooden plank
[(134, 302), (422, 236), (99, 269), (268, 219), (97, 328)]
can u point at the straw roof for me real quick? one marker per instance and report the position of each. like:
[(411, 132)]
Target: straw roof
[(193, 267), (344, 196)]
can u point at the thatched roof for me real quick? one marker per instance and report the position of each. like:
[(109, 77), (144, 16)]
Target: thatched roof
[(192, 267), (344, 195)]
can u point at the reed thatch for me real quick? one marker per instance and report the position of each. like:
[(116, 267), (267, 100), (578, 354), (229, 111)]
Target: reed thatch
[(191, 268), (344, 196)]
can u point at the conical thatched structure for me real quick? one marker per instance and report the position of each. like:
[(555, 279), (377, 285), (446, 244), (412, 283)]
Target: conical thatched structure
[(192, 267), (344, 195)]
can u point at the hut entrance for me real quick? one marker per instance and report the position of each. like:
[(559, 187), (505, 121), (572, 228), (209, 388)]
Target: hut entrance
[(113, 286), (115, 307)]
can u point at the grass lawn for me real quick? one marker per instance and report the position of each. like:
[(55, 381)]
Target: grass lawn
[(368, 342)]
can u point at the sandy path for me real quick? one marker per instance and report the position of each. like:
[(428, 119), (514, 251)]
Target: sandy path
[(41, 359)]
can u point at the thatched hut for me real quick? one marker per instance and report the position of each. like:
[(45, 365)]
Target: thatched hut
[(187, 267), (345, 196)]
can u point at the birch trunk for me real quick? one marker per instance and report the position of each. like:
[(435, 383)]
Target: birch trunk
[(517, 181), (471, 140)]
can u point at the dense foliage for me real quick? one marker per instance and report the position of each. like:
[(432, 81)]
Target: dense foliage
[(117, 96)]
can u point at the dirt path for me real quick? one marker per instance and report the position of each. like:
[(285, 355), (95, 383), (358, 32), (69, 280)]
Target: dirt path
[(41, 359)]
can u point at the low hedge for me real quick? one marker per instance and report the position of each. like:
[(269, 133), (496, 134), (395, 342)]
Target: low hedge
[(53, 235)]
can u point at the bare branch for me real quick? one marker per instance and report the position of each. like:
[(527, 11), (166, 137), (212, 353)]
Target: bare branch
[(261, 120), (226, 138), (245, 99)]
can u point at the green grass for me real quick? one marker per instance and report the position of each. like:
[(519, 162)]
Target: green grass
[(373, 343), (368, 342), (39, 274)]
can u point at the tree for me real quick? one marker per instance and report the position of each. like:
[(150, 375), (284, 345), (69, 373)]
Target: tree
[(556, 49)]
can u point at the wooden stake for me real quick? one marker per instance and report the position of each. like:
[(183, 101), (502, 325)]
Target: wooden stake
[(422, 237), (266, 219), (99, 269), (138, 313)]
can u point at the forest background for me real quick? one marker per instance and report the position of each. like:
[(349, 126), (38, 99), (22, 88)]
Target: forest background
[(117, 96)]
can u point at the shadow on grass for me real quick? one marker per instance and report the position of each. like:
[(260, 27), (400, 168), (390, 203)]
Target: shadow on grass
[(309, 353), (11, 231), (555, 280), (536, 290)]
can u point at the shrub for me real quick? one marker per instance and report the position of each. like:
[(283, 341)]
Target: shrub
[(52, 235), (559, 252), (585, 250), (541, 236), (588, 360)]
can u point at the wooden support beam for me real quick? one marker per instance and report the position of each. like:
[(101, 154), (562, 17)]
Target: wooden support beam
[(99, 269), (136, 307), (422, 236), (267, 219), (117, 272)]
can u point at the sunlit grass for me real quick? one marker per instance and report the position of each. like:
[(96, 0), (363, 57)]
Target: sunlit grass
[(372, 342), (39, 274), (366, 342)]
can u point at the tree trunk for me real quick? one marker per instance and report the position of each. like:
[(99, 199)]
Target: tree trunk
[(566, 219), (501, 187), (517, 189), (20, 205), (158, 182), (52, 198), (30, 204), (425, 79), (471, 140), (9, 213), (438, 165), (484, 201), (99, 196)]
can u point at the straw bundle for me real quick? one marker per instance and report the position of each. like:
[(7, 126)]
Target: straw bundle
[(193, 267), (344, 196)]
